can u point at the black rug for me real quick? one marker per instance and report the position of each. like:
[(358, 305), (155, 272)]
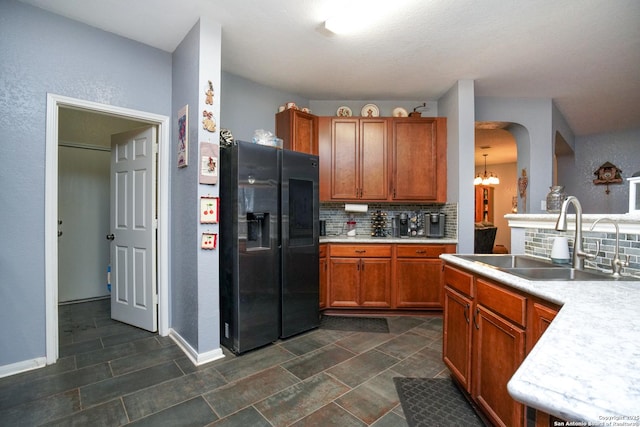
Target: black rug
[(355, 323), (434, 402)]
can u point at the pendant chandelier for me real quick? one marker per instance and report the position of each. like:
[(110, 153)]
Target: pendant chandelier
[(486, 179)]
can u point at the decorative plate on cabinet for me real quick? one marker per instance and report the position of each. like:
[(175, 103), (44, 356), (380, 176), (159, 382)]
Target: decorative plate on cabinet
[(370, 110), (344, 111), (399, 112)]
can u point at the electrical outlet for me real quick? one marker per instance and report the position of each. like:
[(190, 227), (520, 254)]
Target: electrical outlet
[(543, 205)]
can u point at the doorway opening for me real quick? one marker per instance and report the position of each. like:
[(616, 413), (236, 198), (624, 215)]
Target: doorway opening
[(84, 156), (54, 104), (496, 150)]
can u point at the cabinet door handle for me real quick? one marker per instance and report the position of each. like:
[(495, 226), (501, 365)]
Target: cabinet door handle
[(475, 318), (361, 251), (466, 313), (422, 251)]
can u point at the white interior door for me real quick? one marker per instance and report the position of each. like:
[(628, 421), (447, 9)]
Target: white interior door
[(133, 228)]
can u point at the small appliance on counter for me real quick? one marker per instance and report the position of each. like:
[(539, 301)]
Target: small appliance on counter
[(379, 224), (403, 225), (351, 226), (435, 224)]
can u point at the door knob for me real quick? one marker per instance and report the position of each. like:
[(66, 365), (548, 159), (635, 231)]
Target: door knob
[(110, 237)]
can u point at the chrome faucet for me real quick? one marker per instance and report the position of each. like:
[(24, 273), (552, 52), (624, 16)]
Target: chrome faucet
[(578, 253), (616, 262)]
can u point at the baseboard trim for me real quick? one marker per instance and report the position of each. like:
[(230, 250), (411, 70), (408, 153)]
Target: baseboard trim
[(24, 366), (195, 357)]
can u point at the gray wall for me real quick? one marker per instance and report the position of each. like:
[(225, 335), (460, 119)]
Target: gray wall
[(247, 106), (620, 148), (184, 233), (194, 272), (535, 118), (457, 106), (39, 53)]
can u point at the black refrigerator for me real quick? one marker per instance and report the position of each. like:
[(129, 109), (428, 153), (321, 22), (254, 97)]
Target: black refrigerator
[(269, 211)]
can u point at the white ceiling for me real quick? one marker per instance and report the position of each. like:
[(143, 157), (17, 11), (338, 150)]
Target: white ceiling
[(584, 54)]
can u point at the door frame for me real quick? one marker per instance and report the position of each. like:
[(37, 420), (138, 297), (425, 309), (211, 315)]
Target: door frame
[(51, 209)]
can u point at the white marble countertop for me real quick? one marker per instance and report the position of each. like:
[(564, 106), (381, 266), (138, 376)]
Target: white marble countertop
[(369, 239), (586, 366)]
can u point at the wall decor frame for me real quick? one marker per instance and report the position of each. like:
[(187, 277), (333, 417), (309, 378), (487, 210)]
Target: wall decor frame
[(208, 163), (209, 241), (209, 210), (183, 137)]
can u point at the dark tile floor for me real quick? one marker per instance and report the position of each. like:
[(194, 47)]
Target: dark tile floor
[(111, 374)]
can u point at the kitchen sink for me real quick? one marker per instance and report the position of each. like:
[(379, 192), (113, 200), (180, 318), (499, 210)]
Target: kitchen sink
[(509, 261), (535, 269), (558, 274)]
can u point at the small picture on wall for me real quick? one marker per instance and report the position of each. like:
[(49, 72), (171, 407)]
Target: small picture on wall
[(209, 241), (208, 163), (183, 137), (209, 209)]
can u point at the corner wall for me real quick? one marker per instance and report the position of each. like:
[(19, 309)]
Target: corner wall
[(194, 293), (457, 105)]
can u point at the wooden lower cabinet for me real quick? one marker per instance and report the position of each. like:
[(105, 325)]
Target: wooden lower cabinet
[(418, 276), (541, 315), (323, 276), (384, 276), (360, 276), (486, 328), (418, 283), (457, 336), (498, 350)]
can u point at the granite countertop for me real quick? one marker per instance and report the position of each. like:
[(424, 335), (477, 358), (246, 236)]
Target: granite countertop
[(368, 239), (586, 366)]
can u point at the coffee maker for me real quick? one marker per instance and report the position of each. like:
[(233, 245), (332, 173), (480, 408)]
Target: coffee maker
[(435, 224), (404, 225)]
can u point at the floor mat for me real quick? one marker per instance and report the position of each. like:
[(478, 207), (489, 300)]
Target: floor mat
[(355, 323), (434, 402)]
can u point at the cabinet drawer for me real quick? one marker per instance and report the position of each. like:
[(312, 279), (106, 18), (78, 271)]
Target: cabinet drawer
[(322, 251), (502, 301), (361, 251), (420, 251), (459, 280)]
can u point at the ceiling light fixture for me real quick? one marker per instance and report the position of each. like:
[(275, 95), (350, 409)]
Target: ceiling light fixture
[(356, 16), (485, 179), (339, 24)]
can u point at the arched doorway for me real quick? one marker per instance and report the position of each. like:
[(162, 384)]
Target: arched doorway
[(496, 145)]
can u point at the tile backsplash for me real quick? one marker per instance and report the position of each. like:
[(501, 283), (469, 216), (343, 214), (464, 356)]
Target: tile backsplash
[(335, 216), (538, 242)]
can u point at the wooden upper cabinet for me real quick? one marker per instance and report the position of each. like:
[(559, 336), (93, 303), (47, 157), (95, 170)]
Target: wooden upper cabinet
[(298, 130), (374, 180), (419, 159), (359, 152), (383, 159), (324, 150), (345, 165)]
